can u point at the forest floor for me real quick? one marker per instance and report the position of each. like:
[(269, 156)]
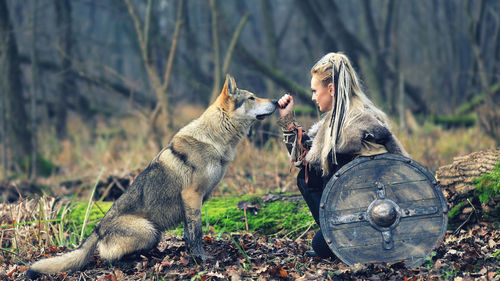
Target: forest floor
[(470, 254)]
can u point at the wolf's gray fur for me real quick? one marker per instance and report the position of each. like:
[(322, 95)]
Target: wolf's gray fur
[(174, 185)]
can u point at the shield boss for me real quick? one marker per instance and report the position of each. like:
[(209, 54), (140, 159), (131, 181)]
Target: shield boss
[(384, 208)]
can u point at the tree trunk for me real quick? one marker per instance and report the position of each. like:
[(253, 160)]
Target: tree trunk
[(19, 136), (66, 83), (170, 61), (489, 115), (3, 123), (34, 88)]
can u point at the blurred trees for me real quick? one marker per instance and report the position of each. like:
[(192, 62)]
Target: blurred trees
[(15, 123), (437, 60)]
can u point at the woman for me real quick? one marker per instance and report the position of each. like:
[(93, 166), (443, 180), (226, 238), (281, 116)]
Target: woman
[(351, 126)]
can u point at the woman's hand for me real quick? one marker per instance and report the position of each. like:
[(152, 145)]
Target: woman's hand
[(285, 105)]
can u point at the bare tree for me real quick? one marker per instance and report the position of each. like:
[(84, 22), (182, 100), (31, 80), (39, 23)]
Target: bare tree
[(224, 67), (17, 123), (489, 116), (66, 83), (34, 88), (159, 87)]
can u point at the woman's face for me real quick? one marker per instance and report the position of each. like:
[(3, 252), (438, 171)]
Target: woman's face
[(321, 95)]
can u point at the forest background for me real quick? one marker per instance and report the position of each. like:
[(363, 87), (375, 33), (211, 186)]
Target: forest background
[(87, 84), (93, 89)]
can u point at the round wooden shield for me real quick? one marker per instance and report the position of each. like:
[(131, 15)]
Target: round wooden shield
[(384, 208)]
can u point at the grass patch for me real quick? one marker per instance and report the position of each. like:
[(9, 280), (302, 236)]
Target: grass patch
[(219, 214), (77, 215), (279, 218)]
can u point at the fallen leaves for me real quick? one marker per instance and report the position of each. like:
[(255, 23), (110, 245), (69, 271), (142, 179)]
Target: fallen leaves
[(278, 271), (469, 255)]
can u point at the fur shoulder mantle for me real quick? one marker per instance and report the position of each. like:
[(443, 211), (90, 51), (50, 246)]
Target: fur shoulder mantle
[(364, 128)]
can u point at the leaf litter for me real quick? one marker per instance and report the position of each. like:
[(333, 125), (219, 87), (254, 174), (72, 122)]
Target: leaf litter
[(471, 254)]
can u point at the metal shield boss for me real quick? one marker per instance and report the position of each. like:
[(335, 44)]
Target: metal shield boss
[(384, 208)]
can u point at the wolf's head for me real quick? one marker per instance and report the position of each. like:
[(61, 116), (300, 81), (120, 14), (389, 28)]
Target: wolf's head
[(242, 104)]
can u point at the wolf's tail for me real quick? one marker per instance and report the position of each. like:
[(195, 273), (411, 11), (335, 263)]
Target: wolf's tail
[(74, 260)]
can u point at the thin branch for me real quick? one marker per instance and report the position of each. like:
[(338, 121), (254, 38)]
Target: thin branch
[(233, 42), (147, 24), (178, 25), (152, 72), (137, 25), (215, 39)]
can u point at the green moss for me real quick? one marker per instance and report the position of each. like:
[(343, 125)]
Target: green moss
[(221, 214), (451, 121), (77, 215), (488, 185), (278, 217), (487, 188), (456, 210)]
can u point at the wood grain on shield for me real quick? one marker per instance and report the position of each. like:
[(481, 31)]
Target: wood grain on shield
[(348, 195)]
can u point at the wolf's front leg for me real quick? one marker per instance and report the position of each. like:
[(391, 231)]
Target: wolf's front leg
[(192, 223)]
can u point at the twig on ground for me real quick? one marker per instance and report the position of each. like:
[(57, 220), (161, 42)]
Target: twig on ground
[(246, 220), (466, 220), (303, 233), (14, 254)]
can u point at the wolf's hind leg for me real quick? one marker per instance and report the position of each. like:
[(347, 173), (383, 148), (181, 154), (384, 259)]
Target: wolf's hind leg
[(127, 234)]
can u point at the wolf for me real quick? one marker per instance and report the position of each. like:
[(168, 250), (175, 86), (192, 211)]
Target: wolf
[(173, 187)]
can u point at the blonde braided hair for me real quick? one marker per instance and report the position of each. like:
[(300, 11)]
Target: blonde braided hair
[(349, 102)]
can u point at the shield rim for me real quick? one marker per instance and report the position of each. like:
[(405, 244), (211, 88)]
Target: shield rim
[(389, 156)]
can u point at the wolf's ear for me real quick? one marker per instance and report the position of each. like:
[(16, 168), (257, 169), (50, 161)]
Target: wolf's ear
[(231, 85)]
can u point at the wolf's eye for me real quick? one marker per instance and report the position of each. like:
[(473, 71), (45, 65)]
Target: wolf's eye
[(251, 98)]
